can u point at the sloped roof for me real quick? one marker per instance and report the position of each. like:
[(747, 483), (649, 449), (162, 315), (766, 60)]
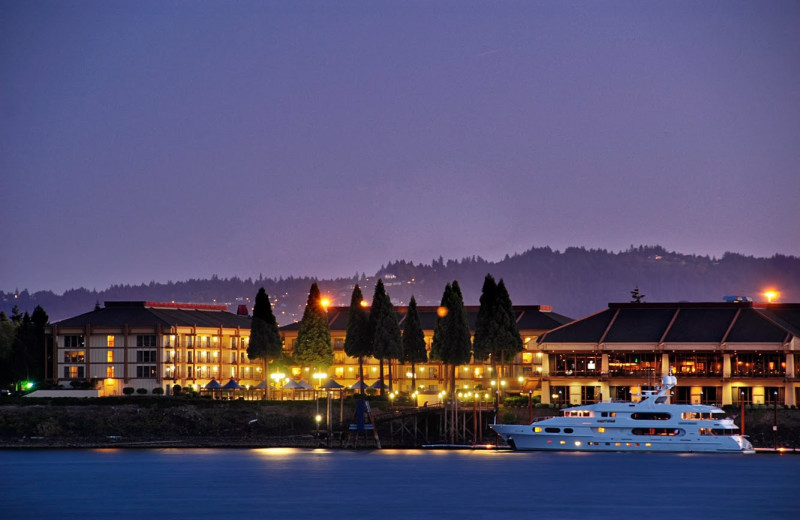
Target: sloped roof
[(683, 322), (148, 314), (529, 317)]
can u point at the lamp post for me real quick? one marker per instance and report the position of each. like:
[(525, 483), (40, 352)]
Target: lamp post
[(775, 423), (741, 402), (530, 406)]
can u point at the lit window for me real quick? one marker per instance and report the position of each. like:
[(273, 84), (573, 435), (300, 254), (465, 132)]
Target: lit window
[(110, 372), (601, 430), (110, 340), (110, 357)]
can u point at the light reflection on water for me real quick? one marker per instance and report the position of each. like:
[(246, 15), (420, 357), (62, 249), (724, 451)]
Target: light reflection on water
[(388, 484)]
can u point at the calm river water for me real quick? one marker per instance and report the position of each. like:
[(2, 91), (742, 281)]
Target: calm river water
[(389, 484)]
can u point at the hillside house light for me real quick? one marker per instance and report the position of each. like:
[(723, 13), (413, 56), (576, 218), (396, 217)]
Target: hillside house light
[(771, 294), (325, 302)]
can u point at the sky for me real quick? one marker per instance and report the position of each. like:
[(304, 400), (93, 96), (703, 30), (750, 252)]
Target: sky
[(167, 140)]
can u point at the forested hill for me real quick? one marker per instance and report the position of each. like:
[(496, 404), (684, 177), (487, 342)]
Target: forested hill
[(575, 282)]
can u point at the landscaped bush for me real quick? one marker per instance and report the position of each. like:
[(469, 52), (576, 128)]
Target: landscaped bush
[(141, 391), (128, 390), (176, 389), (158, 391)]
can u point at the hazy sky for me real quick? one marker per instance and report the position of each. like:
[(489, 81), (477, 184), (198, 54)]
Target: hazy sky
[(167, 140)]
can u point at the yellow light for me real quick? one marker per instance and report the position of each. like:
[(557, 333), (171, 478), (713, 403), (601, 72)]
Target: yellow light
[(771, 294), (364, 303), (441, 311), (325, 302), (537, 429), (577, 443), (562, 442), (318, 418), (601, 430)]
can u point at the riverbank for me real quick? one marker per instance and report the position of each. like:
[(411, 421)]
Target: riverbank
[(170, 422)]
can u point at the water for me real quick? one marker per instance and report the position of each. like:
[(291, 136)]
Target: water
[(389, 484)]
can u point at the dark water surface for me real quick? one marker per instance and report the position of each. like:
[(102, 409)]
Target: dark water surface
[(389, 484)]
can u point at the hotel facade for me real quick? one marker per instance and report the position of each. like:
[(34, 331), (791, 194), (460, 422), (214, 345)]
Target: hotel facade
[(723, 353)]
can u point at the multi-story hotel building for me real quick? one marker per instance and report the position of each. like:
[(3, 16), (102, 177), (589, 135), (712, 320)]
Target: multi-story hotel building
[(429, 378), (153, 345), (722, 353)]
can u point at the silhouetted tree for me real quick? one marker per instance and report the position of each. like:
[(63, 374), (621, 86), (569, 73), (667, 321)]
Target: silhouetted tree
[(265, 340), (413, 341), (636, 296), (358, 341), (451, 336), (313, 347), (386, 343)]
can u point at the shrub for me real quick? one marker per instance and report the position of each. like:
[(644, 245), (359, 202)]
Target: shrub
[(158, 391), (141, 391), (128, 390), (176, 389)]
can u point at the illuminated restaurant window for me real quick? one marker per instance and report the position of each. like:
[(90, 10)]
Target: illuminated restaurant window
[(110, 340), (109, 356)]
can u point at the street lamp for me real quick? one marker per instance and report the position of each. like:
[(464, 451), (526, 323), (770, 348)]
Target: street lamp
[(775, 424)]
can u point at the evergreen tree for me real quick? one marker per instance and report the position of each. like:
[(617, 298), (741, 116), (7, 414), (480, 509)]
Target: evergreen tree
[(636, 296), (386, 342), (413, 341), (313, 347), (451, 336), (8, 334), (358, 341), (265, 340), (511, 342), (487, 326)]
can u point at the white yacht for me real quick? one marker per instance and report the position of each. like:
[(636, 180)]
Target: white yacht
[(651, 424)]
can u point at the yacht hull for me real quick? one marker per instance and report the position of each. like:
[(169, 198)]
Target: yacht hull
[(519, 438)]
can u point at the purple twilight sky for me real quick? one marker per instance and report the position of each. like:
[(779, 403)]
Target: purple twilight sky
[(167, 140)]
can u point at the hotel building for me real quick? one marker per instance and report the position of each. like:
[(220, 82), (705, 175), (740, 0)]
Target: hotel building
[(153, 345), (722, 353), (430, 378)]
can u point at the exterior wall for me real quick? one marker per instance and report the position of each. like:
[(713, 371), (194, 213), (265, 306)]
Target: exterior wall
[(431, 377), (147, 357), (707, 373)]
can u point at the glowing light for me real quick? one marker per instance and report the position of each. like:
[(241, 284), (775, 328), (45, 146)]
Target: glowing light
[(771, 294), (364, 303), (442, 311), (325, 302)]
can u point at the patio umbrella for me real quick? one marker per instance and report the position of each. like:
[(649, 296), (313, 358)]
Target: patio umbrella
[(377, 385), (213, 385), (332, 385), (359, 385), (232, 385), (294, 385), (261, 386)]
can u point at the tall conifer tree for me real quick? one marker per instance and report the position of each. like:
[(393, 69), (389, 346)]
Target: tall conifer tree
[(313, 347), (386, 343), (451, 337), (265, 340), (413, 341), (358, 341)]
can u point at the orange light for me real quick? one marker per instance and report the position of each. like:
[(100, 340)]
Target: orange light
[(364, 303), (325, 302), (771, 294), (441, 311)]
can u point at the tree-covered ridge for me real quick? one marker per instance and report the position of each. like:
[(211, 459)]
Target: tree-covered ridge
[(575, 282)]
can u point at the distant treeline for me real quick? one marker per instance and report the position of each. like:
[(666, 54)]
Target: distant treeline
[(575, 282)]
